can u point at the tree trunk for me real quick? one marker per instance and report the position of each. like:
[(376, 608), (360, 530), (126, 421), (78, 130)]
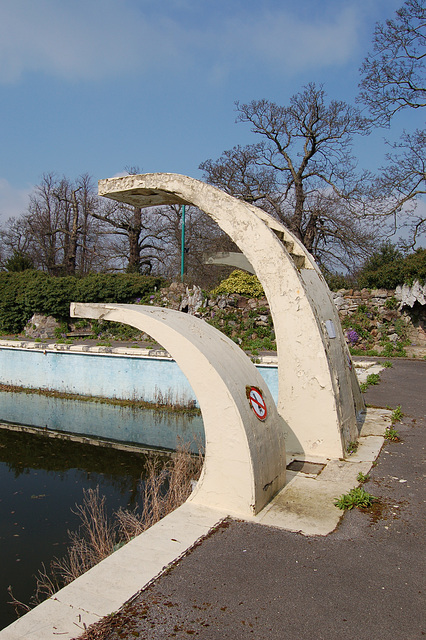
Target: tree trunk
[(134, 233)]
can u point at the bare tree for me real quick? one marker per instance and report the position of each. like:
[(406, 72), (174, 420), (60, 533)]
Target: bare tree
[(393, 75), (135, 234), (135, 237), (57, 232), (303, 164), (15, 239), (393, 78), (400, 187)]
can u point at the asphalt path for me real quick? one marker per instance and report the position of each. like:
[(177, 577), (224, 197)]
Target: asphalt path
[(364, 581)]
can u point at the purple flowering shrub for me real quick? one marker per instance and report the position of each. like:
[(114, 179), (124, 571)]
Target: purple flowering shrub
[(352, 337)]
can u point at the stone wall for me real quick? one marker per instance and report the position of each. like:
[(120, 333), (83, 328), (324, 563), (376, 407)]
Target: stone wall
[(380, 322), (388, 322)]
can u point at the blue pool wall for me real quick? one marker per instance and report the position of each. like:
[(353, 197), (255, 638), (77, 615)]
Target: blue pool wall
[(108, 375)]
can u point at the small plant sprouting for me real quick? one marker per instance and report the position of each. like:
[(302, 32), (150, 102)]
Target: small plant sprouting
[(388, 364), (373, 378), (362, 478), (352, 447), (357, 497), (392, 434), (397, 414)]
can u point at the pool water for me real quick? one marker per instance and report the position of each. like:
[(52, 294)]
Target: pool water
[(131, 424), (41, 480)]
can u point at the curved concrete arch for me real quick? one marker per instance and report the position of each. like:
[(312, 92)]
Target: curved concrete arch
[(245, 459), (318, 393)]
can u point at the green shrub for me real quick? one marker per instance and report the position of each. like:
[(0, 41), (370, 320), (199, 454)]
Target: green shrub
[(387, 268), (19, 261), (338, 281), (242, 283), (391, 303), (27, 292), (396, 350)]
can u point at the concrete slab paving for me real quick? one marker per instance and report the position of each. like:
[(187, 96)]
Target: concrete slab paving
[(374, 421)]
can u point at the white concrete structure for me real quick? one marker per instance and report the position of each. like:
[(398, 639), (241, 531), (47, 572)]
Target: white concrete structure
[(245, 459), (319, 395)]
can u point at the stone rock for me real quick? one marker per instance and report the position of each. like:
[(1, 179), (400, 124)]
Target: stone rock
[(340, 303), (41, 326), (192, 300), (408, 296), (241, 303), (390, 315), (177, 287)]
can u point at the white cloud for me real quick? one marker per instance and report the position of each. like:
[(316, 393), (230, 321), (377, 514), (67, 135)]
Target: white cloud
[(13, 201), (82, 39), (293, 44), (89, 39)]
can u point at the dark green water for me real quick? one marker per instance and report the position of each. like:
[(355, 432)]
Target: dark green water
[(41, 480)]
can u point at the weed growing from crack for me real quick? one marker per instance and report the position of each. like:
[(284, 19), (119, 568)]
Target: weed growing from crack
[(372, 379), (357, 497), (397, 414), (352, 447), (392, 434), (362, 478)]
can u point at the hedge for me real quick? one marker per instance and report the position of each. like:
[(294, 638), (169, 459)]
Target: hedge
[(401, 270), (25, 293)]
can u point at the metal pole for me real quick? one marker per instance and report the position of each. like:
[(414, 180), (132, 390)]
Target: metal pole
[(182, 255)]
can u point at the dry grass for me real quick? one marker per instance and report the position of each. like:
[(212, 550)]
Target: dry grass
[(93, 542), (164, 489)]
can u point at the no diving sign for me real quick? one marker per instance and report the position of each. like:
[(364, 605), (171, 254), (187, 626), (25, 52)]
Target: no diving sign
[(257, 402)]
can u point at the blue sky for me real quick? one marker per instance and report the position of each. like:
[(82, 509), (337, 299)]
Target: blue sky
[(93, 86)]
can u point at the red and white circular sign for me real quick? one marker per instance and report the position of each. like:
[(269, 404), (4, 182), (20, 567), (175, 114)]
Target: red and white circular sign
[(257, 403)]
